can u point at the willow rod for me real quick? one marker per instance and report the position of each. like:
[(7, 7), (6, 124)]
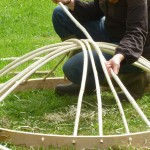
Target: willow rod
[(82, 88), (30, 70), (28, 57), (21, 74), (11, 81), (98, 90)]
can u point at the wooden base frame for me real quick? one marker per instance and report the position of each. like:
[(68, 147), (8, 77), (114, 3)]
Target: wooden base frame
[(137, 140)]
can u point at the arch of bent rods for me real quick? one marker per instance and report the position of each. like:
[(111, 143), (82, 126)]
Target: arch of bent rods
[(22, 81)]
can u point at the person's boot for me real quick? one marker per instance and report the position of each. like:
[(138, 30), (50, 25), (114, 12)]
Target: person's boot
[(70, 89), (135, 84)]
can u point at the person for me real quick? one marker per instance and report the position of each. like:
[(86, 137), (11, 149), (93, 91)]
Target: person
[(123, 22)]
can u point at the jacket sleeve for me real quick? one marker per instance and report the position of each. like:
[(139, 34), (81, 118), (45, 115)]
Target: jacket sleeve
[(85, 11), (132, 44)]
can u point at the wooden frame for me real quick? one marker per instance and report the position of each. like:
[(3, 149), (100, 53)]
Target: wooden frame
[(137, 140)]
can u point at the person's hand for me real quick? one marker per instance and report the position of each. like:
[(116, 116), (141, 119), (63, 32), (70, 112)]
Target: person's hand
[(62, 1), (114, 63), (70, 3)]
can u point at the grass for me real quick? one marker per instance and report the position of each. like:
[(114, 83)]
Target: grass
[(43, 111), (25, 26)]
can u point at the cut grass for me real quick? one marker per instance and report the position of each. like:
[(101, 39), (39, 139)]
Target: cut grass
[(42, 111), (24, 26)]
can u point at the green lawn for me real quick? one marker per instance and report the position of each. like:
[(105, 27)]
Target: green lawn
[(25, 26)]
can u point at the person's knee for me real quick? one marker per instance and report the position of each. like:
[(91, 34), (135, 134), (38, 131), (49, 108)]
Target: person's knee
[(72, 71), (57, 13)]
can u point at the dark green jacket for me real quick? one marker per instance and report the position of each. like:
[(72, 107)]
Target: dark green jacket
[(126, 21)]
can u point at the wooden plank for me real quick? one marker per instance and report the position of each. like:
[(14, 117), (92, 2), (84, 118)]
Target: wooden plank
[(137, 140), (35, 84), (38, 73), (14, 58), (50, 83)]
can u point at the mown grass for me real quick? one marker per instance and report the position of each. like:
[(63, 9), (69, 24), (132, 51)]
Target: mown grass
[(43, 111), (25, 26)]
